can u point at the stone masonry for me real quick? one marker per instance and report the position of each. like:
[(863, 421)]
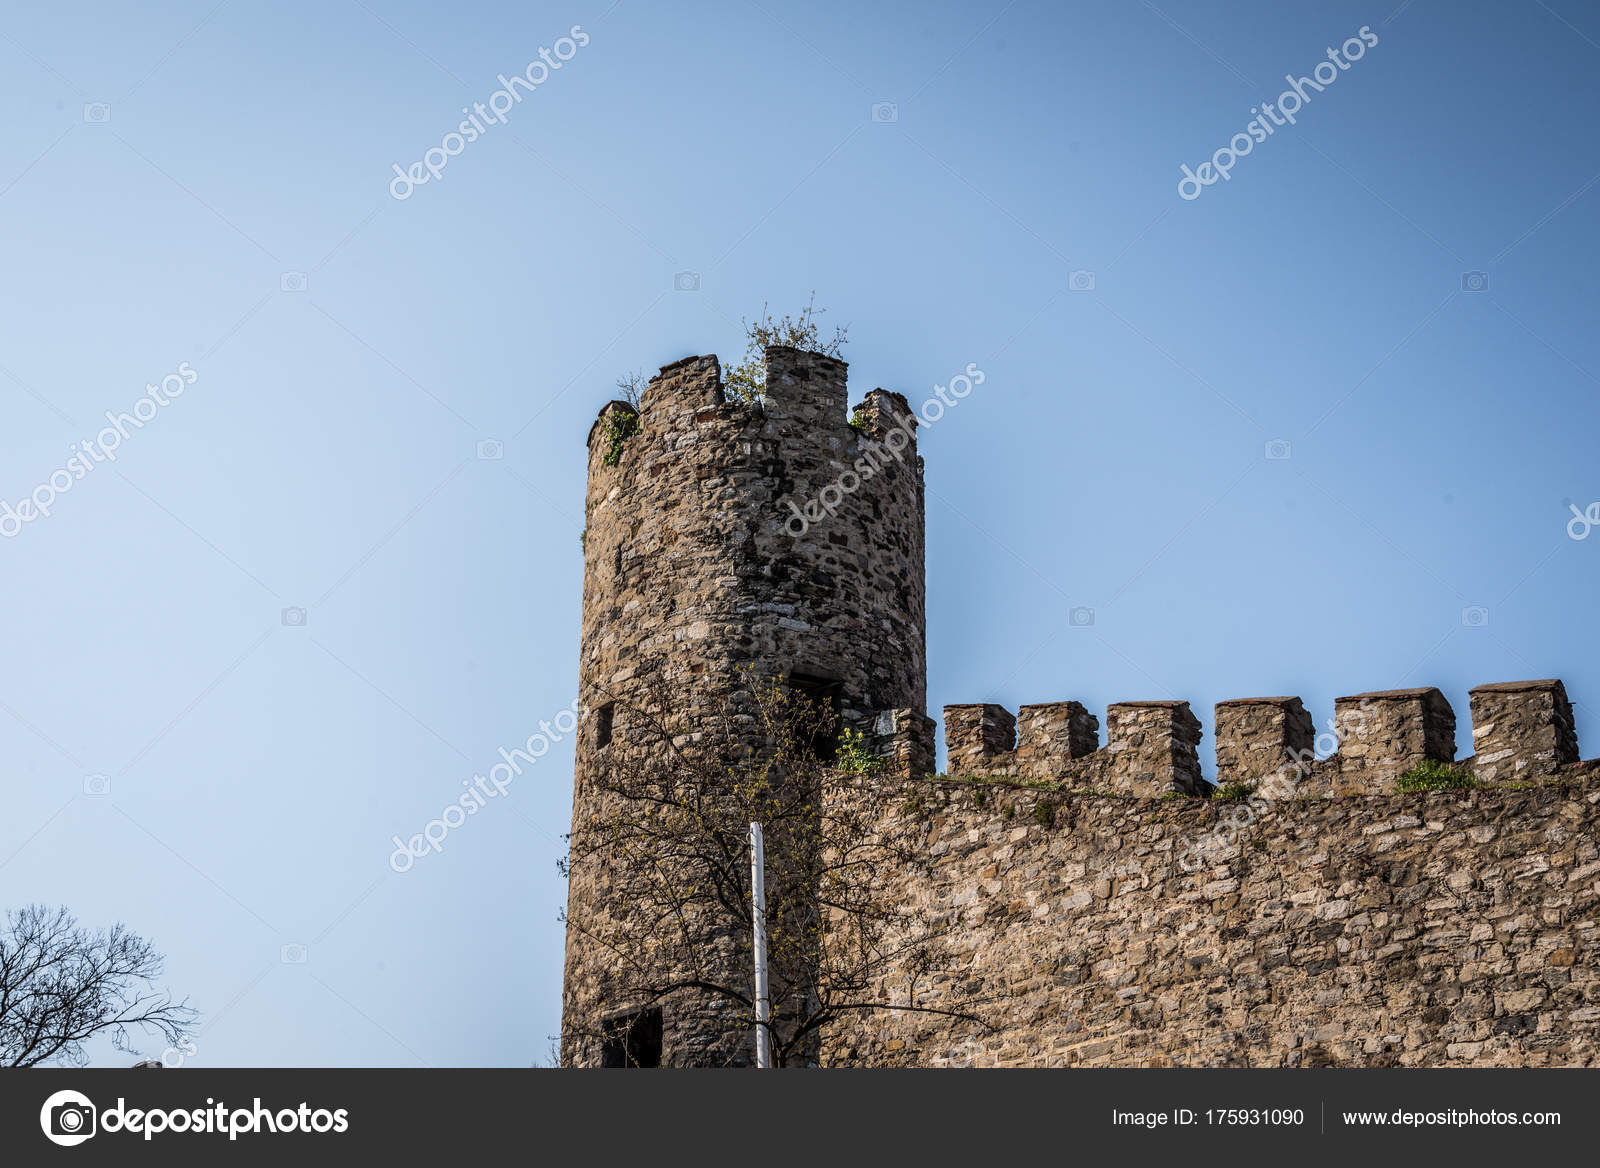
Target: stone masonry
[(1458, 928), (1102, 906), (695, 581), (1522, 729)]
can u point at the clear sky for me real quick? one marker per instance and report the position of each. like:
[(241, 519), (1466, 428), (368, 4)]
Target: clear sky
[(208, 185)]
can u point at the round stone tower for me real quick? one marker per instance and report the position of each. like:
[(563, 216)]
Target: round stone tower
[(723, 537)]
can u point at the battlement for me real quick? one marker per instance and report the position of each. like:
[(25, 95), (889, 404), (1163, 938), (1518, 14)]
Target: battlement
[(806, 387), (784, 538), (805, 398), (1150, 746), (1522, 730)]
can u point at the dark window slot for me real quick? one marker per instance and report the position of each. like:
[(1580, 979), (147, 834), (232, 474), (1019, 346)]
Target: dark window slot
[(633, 1041)]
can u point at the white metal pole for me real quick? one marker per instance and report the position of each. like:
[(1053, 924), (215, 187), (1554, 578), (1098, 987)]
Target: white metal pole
[(758, 896)]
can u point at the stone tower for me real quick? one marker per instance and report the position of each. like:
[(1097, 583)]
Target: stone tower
[(700, 563)]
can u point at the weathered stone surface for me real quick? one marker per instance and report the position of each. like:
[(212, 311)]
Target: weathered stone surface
[(975, 734), (905, 738), (1521, 730), (1256, 736), (1055, 730), (1096, 919), (1150, 747), (695, 577), (1453, 928), (1384, 734)]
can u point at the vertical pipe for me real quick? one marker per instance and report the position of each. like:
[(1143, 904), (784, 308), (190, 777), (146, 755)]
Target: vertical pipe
[(758, 916)]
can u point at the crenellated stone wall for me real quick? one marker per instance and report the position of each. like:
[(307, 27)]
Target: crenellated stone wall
[(1326, 912), (1100, 904), (1523, 729), (1151, 747)]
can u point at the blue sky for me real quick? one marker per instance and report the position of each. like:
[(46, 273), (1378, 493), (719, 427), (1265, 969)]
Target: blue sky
[(207, 184)]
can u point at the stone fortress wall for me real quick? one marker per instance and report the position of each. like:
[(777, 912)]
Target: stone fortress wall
[(1099, 916), (1103, 906)]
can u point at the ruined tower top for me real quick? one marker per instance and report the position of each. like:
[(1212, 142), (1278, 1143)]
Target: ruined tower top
[(784, 535)]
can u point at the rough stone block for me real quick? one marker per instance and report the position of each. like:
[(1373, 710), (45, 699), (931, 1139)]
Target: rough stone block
[(679, 391), (805, 387), (884, 410), (1386, 733), (1262, 737), (905, 738), (1521, 729), (1151, 748), (1052, 733), (976, 733)]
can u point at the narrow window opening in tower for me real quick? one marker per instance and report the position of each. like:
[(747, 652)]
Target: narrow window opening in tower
[(603, 718), (633, 1040), (826, 696)]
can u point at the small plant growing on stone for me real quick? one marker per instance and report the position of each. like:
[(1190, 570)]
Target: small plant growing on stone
[(1044, 814), (620, 426), (858, 420), (853, 755), (1233, 792), (1433, 775), (747, 381)]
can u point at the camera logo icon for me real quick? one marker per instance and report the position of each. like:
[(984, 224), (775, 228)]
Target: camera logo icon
[(294, 617), (490, 449), (292, 282), (1474, 281), (96, 785), (1081, 281), (292, 954), (68, 1118), (1279, 449), (686, 282), (884, 112), (97, 111), (1475, 616), (1081, 617)]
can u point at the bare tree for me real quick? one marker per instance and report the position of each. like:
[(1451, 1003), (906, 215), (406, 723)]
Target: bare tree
[(747, 380), (667, 825), (62, 985), (633, 386)]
